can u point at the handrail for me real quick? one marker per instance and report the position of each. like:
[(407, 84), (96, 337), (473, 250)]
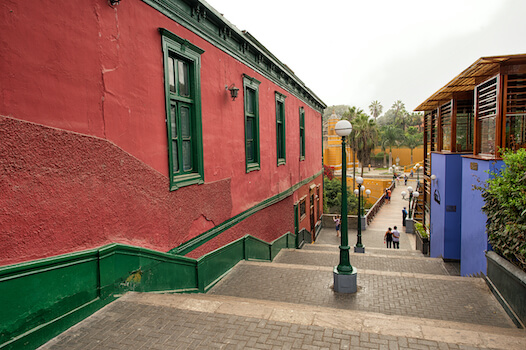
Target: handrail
[(377, 205)]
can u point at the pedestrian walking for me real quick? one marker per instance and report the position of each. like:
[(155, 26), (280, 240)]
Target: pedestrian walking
[(405, 179), (388, 196), (396, 238), (404, 216), (338, 221), (388, 238)]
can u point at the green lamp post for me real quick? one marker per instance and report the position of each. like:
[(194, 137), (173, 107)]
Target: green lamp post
[(344, 275), (359, 248)]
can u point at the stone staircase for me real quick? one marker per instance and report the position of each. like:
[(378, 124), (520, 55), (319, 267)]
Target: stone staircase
[(404, 301)]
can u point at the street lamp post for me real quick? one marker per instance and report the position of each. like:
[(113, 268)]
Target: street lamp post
[(359, 248), (345, 280)]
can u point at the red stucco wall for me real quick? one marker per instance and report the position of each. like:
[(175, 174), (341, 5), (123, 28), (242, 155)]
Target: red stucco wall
[(89, 69)]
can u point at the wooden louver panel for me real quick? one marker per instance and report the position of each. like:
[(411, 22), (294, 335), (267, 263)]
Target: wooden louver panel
[(445, 125), (516, 111), (487, 107)]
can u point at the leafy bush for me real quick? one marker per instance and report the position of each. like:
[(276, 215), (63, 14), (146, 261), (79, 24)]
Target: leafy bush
[(332, 197), (505, 206), (421, 230)]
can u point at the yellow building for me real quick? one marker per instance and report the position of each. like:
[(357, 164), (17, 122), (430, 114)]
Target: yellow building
[(332, 146)]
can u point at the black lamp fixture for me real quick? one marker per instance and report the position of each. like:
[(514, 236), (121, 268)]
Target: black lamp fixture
[(114, 2), (233, 91)]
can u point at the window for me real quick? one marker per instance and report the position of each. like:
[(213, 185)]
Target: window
[(464, 125), (486, 94), (302, 133), (280, 128), (303, 208), (251, 95), (182, 62)]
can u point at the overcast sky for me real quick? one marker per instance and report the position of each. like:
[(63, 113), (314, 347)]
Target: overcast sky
[(356, 51)]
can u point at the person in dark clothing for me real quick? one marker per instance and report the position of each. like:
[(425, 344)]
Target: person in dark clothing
[(404, 215), (388, 238)]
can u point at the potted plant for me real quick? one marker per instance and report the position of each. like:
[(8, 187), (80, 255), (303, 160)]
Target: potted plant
[(422, 238)]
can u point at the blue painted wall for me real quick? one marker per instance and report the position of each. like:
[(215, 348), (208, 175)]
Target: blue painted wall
[(474, 237), (438, 168), (446, 215)]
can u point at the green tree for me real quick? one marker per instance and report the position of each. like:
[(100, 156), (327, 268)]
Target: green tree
[(364, 138), (332, 197), (391, 136), (505, 206), (413, 139), (400, 114), (376, 109), (352, 113)]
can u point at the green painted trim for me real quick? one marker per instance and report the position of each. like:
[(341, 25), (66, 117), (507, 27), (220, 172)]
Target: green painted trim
[(174, 45), (208, 23), (31, 323), (196, 242)]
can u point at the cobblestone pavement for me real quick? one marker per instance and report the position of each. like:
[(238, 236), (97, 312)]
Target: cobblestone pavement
[(154, 321), (417, 295)]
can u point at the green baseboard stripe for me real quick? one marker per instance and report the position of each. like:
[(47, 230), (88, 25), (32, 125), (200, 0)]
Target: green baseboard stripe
[(48, 296), (196, 242)]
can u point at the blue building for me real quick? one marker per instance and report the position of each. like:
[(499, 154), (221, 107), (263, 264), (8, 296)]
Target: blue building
[(466, 123)]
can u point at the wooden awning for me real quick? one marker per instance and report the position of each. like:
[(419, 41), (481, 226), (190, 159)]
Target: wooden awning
[(482, 69)]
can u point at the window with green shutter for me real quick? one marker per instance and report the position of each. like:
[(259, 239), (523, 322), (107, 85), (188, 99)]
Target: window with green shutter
[(251, 98), (280, 128), (302, 133), (182, 62)]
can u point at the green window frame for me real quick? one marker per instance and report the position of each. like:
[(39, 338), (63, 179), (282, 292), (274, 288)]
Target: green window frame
[(182, 84), (302, 133), (280, 129), (251, 103)]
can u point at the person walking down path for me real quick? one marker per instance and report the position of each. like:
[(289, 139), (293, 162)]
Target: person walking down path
[(404, 216), (338, 225), (396, 238), (388, 237)]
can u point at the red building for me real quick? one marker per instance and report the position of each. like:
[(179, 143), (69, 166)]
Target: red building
[(118, 125)]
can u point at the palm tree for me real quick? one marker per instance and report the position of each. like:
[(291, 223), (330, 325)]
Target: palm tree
[(376, 109), (364, 138), (413, 139), (391, 136), (352, 113), (400, 114)]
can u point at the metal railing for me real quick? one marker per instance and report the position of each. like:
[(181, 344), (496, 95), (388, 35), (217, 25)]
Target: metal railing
[(377, 205)]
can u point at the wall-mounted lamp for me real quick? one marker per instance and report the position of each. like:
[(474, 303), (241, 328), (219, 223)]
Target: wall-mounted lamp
[(233, 91), (114, 2)]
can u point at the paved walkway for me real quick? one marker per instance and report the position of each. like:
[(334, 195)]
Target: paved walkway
[(404, 301)]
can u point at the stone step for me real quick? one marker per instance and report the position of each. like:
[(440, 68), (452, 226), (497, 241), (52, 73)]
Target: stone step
[(434, 297), (368, 325), (368, 250), (370, 261)]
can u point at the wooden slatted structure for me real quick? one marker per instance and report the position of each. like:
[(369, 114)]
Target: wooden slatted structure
[(477, 112)]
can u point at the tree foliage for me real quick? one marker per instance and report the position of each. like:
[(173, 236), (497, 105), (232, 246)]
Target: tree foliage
[(376, 109), (412, 139), (332, 197), (363, 138), (505, 206)]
